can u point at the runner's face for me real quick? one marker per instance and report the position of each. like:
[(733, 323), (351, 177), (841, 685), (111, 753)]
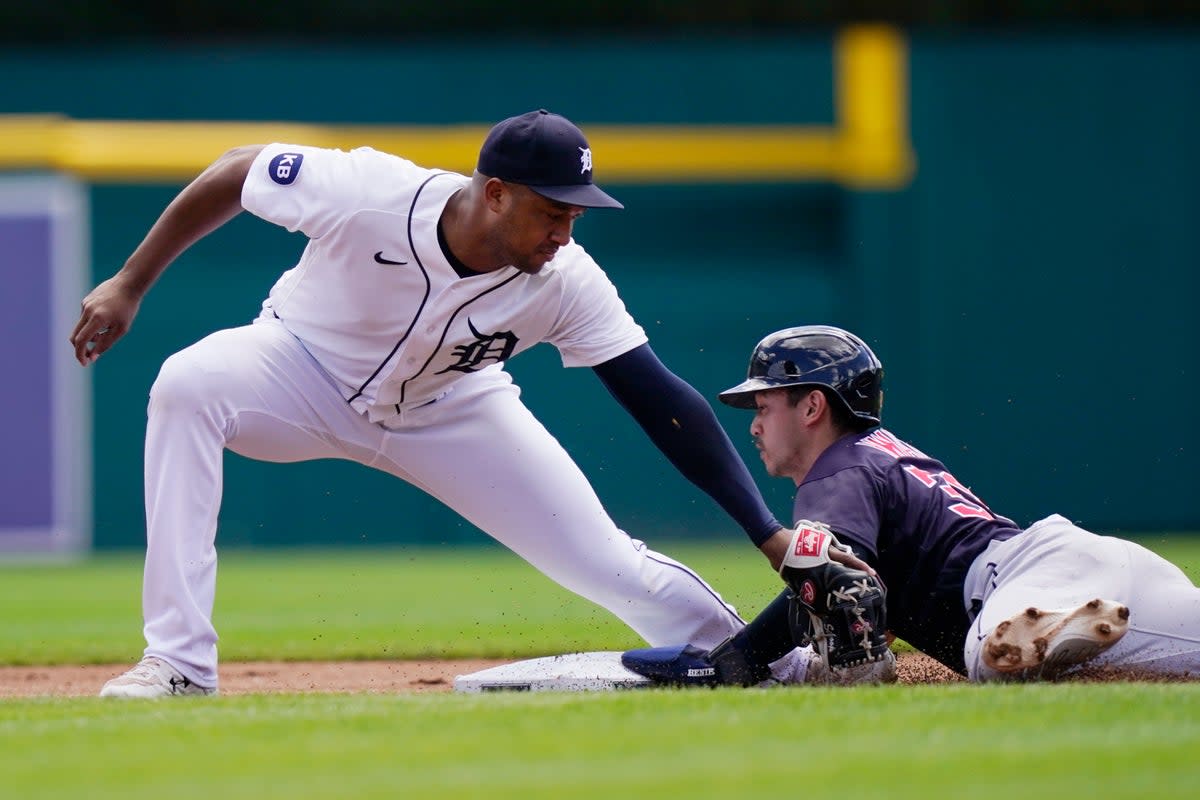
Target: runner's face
[(778, 433)]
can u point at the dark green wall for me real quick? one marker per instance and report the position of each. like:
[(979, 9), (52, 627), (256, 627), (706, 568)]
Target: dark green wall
[(1054, 250), (1030, 291), (598, 80)]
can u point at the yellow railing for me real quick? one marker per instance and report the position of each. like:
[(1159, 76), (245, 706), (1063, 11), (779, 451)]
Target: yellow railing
[(868, 147)]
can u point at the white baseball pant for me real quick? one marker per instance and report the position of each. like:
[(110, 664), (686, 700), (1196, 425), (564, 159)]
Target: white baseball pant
[(1055, 564), (479, 450)]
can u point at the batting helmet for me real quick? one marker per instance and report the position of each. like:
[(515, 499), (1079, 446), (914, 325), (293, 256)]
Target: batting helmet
[(815, 355)]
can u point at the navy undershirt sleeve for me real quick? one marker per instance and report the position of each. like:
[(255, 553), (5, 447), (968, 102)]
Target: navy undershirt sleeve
[(684, 427)]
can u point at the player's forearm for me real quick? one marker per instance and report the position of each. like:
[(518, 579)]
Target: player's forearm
[(775, 547), (717, 468), (683, 426), (205, 204)]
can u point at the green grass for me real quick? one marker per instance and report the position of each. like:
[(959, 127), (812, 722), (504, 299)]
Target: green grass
[(1087, 740), (361, 604), (1112, 741), (314, 604)]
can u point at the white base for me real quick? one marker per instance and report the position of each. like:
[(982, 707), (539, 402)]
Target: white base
[(573, 672)]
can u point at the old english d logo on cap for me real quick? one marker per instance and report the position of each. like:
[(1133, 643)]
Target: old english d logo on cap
[(547, 153)]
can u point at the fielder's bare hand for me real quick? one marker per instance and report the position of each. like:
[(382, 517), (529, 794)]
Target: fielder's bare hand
[(106, 315), (204, 205)]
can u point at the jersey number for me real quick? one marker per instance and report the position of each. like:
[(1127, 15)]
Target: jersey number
[(965, 504)]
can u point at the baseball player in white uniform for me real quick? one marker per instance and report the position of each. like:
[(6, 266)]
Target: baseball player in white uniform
[(385, 344)]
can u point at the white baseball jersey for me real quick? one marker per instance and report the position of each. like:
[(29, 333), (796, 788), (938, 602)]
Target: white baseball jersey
[(353, 345), (377, 304)]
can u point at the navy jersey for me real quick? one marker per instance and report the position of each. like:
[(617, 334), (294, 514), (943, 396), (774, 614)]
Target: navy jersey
[(907, 516)]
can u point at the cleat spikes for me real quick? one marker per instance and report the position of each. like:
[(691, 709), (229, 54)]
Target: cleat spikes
[(1042, 644)]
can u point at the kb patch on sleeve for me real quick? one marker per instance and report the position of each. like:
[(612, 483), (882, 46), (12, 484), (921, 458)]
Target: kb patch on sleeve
[(284, 167)]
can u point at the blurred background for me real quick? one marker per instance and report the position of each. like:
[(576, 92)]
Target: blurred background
[(1002, 200)]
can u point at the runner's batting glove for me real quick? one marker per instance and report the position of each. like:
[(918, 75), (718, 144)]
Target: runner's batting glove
[(838, 609)]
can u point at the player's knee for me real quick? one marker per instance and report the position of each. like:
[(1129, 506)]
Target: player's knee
[(175, 387), (186, 383)]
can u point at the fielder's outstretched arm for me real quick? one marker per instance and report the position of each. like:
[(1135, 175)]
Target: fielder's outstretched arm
[(205, 204), (683, 426)]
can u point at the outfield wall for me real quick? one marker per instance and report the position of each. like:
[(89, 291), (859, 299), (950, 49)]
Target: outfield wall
[(1029, 289)]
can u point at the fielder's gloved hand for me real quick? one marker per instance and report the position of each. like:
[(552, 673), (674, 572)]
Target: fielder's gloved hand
[(838, 609)]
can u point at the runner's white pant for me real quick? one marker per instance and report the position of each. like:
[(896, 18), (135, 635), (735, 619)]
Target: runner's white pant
[(479, 450), (1055, 565)]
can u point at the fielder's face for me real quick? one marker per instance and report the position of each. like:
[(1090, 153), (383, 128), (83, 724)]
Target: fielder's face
[(530, 228), (778, 433)]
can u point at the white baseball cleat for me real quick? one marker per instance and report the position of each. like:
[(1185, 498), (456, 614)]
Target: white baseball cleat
[(152, 678), (1044, 644), (805, 666), (870, 672)]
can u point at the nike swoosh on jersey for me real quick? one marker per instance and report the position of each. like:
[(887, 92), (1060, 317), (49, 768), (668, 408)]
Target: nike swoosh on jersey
[(379, 259)]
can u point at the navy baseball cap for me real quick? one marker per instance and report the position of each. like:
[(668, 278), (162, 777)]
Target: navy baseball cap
[(548, 154)]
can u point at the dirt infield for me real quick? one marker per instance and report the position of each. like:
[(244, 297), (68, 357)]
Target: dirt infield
[(380, 677)]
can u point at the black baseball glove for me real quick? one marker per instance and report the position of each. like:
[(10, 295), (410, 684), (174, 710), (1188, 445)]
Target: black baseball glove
[(840, 610)]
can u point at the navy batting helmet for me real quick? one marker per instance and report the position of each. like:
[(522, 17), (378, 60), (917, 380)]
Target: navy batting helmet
[(815, 355)]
